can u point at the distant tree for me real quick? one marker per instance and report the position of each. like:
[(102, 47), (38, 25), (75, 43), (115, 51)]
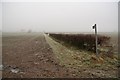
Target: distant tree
[(29, 31)]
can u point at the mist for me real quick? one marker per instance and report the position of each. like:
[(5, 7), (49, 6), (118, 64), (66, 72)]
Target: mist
[(59, 16)]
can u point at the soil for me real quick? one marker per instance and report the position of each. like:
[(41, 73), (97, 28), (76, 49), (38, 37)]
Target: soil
[(34, 55), (29, 56)]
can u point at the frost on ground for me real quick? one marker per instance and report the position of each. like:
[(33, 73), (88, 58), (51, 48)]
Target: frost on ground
[(34, 55), (83, 63)]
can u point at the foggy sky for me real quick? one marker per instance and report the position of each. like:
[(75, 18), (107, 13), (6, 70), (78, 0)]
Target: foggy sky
[(59, 16)]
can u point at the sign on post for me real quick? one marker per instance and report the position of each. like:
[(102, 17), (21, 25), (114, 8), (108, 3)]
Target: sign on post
[(96, 38)]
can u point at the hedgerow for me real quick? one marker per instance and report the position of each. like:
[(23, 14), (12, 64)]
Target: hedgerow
[(83, 41)]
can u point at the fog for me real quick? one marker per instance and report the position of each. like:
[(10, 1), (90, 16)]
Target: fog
[(59, 16)]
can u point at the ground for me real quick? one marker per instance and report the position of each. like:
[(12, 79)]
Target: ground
[(36, 55)]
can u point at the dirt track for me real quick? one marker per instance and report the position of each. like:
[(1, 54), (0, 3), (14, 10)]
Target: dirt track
[(31, 57)]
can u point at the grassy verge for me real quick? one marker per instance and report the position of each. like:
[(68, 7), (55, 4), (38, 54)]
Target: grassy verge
[(83, 62)]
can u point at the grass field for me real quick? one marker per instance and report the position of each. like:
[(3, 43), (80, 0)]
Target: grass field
[(36, 55)]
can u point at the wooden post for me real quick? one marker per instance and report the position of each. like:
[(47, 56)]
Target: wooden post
[(96, 38)]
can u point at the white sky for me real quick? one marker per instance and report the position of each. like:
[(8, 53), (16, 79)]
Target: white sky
[(59, 15)]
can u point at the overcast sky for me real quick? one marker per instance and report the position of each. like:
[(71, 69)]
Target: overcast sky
[(59, 16)]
